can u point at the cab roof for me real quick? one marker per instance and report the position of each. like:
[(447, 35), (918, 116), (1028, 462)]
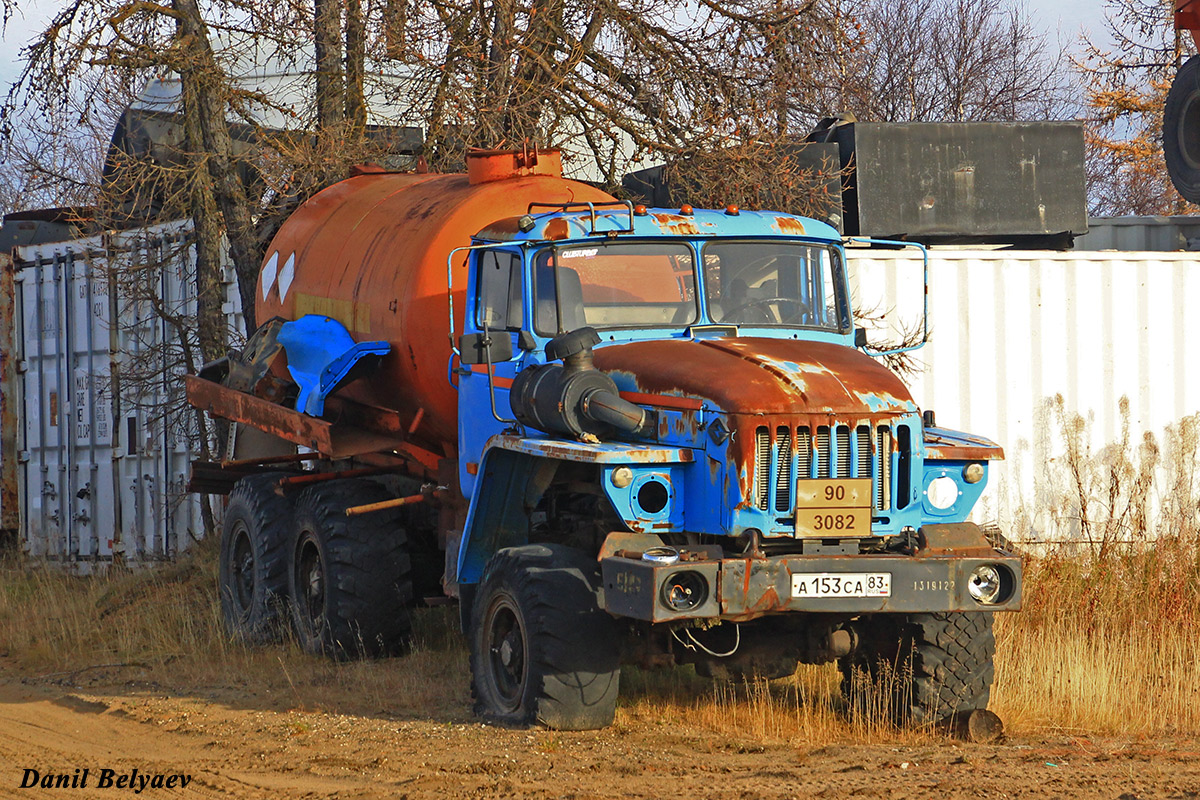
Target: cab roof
[(652, 222)]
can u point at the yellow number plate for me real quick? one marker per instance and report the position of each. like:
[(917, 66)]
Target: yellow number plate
[(834, 493), (833, 522)]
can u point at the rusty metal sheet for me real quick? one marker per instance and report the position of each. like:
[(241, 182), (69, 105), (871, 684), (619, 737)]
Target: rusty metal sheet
[(950, 539), (789, 226), (676, 224), (1187, 18), (943, 444), (752, 588), (632, 588), (768, 376), (595, 453), (340, 441)]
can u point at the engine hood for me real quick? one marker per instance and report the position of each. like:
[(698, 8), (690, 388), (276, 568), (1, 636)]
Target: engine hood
[(759, 375)]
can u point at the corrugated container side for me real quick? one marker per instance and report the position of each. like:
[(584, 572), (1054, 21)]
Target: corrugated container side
[(104, 457), (1014, 331)]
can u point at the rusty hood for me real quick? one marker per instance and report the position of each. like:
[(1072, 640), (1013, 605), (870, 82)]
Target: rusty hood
[(758, 375)]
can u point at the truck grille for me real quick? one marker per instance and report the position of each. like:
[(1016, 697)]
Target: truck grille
[(784, 454)]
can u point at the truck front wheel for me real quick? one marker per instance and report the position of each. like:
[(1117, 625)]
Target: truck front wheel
[(542, 650), (924, 669), (349, 577), (252, 574)]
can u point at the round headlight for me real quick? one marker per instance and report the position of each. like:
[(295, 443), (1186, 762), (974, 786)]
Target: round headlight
[(973, 473), (942, 492), (684, 591), (622, 477), (984, 584)]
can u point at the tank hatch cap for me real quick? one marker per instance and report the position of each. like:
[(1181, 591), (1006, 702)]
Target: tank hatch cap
[(485, 166)]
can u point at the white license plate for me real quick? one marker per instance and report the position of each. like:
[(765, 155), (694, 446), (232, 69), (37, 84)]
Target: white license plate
[(842, 584)]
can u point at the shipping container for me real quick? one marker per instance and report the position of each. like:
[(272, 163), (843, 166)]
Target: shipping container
[(1015, 332), (1127, 234), (103, 446)]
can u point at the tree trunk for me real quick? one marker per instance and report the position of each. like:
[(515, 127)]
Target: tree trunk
[(331, 85), (356, 104), (210, 101)]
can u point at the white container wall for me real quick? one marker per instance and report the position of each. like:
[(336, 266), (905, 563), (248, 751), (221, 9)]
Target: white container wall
[(1023, 341), (104, 453)]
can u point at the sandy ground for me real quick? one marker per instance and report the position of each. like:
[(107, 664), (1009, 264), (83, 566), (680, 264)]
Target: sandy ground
[(235, 744)]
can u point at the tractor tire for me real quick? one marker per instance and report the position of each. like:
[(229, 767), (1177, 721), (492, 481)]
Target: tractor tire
[(542, 649), (252, 570), (1181, 130), (922, 669), (349, 578)]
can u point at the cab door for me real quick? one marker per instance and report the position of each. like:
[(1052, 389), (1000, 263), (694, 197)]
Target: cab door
[(495, 303)]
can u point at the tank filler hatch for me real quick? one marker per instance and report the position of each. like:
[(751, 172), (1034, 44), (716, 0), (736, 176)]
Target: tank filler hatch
[(485, 166)]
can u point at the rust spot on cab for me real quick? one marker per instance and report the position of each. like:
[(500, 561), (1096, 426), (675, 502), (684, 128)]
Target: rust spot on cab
[(675, 224), (788, 225)]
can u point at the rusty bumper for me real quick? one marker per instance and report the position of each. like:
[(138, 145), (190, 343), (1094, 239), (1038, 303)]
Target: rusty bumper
[(746, 588)]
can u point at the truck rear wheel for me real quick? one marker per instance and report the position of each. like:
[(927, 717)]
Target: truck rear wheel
[(542, 649), (252, 571), (1181, 130), (922, 669), (348, 577)]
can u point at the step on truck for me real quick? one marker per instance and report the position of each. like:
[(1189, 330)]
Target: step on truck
[(613, 434)]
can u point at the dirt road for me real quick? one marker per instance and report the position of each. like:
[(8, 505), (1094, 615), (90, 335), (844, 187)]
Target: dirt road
[(230, 744)]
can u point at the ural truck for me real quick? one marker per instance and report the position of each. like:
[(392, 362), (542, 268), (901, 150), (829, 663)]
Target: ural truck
[(614, 434)]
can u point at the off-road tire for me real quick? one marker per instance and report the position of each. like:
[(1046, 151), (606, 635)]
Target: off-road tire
[(928, 669), (542, 649), (252, 566), (349, 578), (1181, 130)]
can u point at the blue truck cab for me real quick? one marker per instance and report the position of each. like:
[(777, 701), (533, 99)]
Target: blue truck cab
[(670, 405)]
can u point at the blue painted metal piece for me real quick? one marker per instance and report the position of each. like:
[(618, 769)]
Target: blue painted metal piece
[(659, 223), (320, 354), (595, 453), (968, 493), (687, 455)]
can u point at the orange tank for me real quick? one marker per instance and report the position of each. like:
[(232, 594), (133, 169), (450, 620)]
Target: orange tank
[(371, 252)]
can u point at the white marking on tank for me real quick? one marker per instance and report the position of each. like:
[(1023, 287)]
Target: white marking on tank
[(286, 275), (268, 273)]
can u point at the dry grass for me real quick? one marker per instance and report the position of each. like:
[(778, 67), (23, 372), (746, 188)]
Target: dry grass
[(1089, 653), (1108, 642), (162, 628)]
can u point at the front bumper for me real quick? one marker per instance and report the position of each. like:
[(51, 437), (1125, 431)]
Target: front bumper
[(741, 589)]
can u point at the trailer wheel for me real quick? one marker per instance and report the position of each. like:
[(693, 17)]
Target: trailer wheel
[(252, 570), (923, 669), (542, 649), (349, 578), (1181, 130)]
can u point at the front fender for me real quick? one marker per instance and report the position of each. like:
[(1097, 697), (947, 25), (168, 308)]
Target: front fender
[(513, 467)]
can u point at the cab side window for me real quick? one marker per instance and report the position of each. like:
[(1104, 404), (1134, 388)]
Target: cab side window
[(500, 296)]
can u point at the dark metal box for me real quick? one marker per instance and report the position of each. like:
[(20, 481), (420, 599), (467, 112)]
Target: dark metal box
[(1014, 183)]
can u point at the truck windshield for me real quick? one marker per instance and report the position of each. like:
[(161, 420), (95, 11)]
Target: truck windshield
[(614, 285), (775, 283)]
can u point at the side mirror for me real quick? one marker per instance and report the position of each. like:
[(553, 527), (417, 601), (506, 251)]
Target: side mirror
[(860, 337), (479, 348)]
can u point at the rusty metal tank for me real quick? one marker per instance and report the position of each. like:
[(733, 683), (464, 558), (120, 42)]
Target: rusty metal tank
[(371, 252)]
